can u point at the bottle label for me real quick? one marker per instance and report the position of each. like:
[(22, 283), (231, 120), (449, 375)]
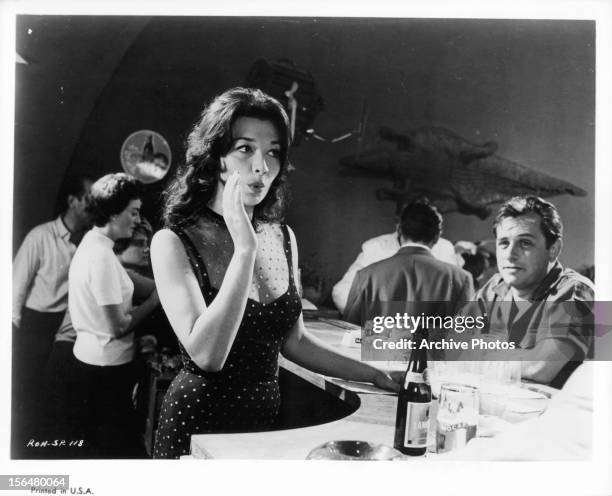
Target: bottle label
[(417, 425), (414, 377)]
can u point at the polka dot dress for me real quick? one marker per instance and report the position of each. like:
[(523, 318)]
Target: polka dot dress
[(243, 396)]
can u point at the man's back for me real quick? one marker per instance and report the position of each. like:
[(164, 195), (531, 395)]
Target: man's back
[(403, 282), (375, 249)]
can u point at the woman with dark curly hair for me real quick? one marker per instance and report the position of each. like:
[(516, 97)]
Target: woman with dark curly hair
[(225, 270), (100, 304)]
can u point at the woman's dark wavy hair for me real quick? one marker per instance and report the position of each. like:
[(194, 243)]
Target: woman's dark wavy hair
[(210, 139), (110, 195)]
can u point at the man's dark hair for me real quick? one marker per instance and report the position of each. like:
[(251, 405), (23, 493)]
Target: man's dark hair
[(551, 225), (72, 186), (110, 195), (420, 222)]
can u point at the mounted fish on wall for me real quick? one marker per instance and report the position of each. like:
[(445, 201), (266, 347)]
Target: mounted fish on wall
[(146, 155), (453, 173)]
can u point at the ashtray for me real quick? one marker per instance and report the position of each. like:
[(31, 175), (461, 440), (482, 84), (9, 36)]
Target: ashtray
[(353, 450)]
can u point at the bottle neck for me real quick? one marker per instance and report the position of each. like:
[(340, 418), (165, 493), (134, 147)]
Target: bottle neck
[(418, 357), (413, 377)]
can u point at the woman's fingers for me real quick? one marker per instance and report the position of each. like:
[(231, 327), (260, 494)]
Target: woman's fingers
[(397, 375), (229, 193), (235, 214), (238, 204), (234, 197), (385, 381)]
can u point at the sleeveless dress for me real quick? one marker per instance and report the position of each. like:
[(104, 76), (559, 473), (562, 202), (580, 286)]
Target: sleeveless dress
[(243, 396)]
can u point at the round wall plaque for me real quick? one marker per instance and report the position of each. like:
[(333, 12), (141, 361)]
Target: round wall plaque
[(146, 155)]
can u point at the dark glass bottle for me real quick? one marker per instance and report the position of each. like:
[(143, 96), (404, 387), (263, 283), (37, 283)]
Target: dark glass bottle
[(413, 404)]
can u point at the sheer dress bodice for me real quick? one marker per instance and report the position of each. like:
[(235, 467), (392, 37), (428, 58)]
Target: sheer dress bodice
[(273, 304), (243, 395)]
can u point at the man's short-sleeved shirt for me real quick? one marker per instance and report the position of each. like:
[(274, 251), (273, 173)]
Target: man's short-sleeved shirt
[(560, 308)]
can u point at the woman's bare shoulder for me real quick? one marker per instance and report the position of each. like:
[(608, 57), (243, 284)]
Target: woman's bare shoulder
[(166, 241), (166, 235)]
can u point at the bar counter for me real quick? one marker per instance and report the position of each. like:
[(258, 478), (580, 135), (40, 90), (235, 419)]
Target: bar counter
[(320, 409), (371, 417)]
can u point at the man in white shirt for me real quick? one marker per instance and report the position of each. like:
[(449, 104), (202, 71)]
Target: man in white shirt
[(40, 267), (380, 248), (40, 291)]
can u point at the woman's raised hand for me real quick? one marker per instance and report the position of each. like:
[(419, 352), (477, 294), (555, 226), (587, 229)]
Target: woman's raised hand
[(236, 218)]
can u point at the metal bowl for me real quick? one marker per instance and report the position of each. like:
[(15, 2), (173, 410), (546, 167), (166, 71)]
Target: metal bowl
[(353, 450)]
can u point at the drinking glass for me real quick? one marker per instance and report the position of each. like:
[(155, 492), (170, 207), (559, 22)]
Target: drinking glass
[(498, 379), (521, 409), (457, 417)]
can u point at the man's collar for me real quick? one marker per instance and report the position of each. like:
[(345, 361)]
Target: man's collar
[(502, 289), (62, 229), (414, 248), (547, 283), (412, 244)]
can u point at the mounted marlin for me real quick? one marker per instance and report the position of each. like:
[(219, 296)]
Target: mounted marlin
[(453, 173)]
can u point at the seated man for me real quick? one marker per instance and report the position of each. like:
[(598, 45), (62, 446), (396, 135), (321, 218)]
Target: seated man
[(376, 249), (413, 280), (533, 302)]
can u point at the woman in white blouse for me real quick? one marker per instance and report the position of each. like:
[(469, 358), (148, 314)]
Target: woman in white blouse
[(100, 302)]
